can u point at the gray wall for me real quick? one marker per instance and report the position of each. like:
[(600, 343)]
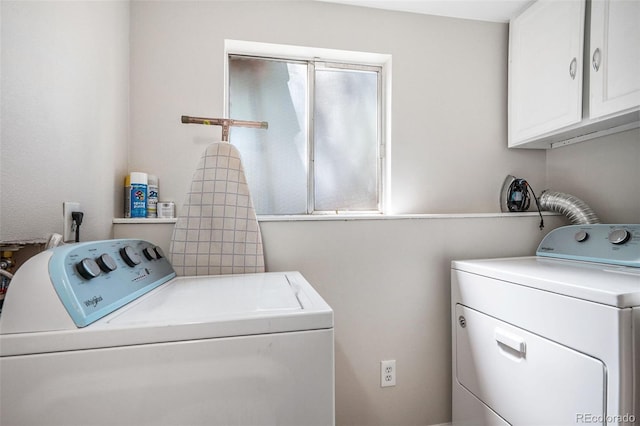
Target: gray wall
[(604, 173), (65, 115), (448, 119), (388, 284)]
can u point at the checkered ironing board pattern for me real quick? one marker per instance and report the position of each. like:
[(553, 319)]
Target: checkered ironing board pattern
[(217, 230)]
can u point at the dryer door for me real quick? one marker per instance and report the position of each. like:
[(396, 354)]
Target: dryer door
[(526, 379)]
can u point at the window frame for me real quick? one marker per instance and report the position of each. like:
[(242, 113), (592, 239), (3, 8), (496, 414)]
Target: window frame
[(329, 59)]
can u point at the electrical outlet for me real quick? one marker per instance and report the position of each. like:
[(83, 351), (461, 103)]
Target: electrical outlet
[(387, 373), (68, 233)]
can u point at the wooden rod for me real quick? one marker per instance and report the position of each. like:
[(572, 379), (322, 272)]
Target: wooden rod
[(225, 123)]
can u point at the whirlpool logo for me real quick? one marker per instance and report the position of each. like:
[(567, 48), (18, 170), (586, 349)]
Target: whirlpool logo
[(93, 301), (547, 249)]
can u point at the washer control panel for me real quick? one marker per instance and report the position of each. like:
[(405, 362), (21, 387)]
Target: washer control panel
[(95, 278), (602, 243)]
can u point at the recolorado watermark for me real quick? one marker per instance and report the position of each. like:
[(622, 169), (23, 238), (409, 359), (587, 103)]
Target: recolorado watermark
[(615, 419)]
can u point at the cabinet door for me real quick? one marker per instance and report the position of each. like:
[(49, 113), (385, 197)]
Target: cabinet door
[(614, 56), (545, 68)]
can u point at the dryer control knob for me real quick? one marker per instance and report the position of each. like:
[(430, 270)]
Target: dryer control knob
[(106, 263), (130, 257), (88, 268), (581, 236), (619, 236)]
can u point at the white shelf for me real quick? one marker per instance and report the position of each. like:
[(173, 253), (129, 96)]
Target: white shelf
[(143, 220)]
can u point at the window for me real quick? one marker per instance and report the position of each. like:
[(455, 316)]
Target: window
[(323, 151)]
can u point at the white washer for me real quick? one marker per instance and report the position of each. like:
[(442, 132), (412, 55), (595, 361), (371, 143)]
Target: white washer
[(552, 339), (103, 333)]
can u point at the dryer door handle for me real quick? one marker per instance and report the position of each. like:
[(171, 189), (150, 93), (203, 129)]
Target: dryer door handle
[(511, 341)]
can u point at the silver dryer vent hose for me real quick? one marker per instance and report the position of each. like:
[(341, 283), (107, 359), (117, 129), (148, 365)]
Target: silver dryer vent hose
[(578, 212)]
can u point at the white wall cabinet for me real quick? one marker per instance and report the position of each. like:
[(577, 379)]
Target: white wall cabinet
[(614, 56), (548, 44), (545, 64)]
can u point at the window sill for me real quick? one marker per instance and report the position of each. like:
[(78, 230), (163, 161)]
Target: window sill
[(348, 217)]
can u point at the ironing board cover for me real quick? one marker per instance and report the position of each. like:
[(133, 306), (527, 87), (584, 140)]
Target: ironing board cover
[(217, 230)]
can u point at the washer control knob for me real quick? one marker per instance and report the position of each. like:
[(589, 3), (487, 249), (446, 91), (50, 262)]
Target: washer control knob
[(88, 268), (150, 253), (106, 263), (581, 236), (129, 256), (619, 236), (159, 252)]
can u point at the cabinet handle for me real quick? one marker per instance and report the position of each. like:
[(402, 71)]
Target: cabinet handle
[(595, 59), (573, 68)]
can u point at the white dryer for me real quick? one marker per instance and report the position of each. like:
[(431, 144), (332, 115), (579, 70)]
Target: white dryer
[(103, 333), (551, 339)]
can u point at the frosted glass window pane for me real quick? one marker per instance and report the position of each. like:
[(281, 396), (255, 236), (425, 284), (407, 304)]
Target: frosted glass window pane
[(275, 160), (345, 140)]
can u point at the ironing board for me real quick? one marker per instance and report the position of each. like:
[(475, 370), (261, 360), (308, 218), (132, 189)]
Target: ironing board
[(217, 231)]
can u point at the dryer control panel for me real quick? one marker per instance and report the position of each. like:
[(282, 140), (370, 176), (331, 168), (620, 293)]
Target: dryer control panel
[(602, 243), (95, 278)]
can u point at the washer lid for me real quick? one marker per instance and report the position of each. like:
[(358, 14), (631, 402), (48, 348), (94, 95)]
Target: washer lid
[(207, 299), (193, 308), (612, 285)]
